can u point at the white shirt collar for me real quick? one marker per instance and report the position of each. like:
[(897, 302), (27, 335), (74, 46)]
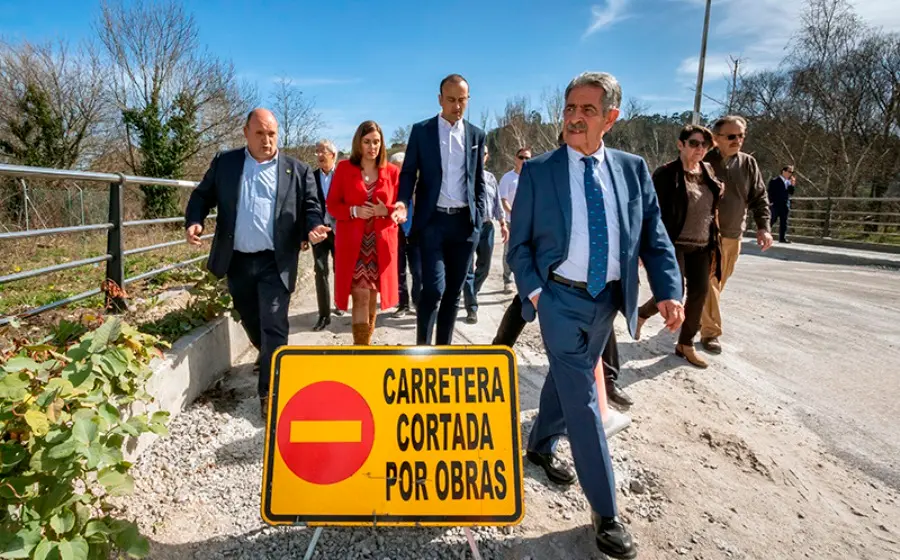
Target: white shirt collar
[(576, 156), (248, 155), (444, 123)]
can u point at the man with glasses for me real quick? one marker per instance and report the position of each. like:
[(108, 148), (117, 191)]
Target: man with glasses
[(509, 183), (745, 190)]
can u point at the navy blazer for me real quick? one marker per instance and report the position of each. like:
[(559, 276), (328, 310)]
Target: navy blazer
[(297, 210), (542, 224), (422, 172)]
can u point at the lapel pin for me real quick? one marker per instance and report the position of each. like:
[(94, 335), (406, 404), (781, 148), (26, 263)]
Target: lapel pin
[(288, 171)]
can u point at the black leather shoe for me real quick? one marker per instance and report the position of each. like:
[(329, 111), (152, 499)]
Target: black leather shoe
[(338, 313), (471, 317), (612, 538), (617, 395), (321, 324), (401, 312), (556, 470)]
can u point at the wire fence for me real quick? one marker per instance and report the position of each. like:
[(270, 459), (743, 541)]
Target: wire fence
[(39, 205)]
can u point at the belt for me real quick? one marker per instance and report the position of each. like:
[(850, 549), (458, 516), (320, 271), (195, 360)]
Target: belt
[(580, 285), (452, 210), (566, 282)]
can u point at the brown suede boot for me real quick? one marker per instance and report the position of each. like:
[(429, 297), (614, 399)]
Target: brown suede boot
[(688, 353), (361, 334)]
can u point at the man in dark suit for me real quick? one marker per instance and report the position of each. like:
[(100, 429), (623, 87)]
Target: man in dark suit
[(584, 214), (267, 207), (443, 170), (326, 156), (780, 191)]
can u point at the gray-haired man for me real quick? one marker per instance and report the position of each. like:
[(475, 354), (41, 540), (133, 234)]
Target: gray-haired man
[(326, 155)]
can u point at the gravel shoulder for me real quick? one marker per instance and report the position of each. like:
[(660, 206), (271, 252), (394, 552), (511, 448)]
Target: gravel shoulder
[(722, 463)]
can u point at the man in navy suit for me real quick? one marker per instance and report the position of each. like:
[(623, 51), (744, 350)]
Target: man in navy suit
[(584, 215), (443, 170)]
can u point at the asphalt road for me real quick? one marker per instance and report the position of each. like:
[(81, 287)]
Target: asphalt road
[(826, 339)]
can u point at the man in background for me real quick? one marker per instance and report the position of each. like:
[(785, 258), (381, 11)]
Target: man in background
[(744, 191), (509, 183), (780, 191), (326, 157), (485, 248)]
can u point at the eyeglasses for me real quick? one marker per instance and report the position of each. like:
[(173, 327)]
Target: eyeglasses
[(733, 137), (697, 143), (524, 158)]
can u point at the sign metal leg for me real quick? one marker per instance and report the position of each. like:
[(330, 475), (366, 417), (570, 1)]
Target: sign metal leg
[(312, 544), (473, 546)]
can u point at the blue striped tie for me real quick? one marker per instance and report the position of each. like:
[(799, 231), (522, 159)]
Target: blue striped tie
[(599, 236)]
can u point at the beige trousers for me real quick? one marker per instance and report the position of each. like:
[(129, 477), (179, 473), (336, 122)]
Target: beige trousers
[(711, 320)]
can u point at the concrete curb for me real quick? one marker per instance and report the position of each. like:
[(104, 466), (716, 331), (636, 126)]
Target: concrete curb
[(195, 362), (190, 367), (821, 254)]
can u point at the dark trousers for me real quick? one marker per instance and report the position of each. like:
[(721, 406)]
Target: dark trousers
[(694, 263), (408, 254), (321, 251), (446, 246), (484, 250), (262, 300), (780, 212), (575, 328), (512, 324)]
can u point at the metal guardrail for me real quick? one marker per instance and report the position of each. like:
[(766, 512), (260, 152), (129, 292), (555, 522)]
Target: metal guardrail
[(874, 220), (115, 250)]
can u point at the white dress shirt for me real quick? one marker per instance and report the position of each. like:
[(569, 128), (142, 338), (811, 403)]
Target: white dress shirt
[(575, 267), (254, 228), (509, 184), (453, 164)]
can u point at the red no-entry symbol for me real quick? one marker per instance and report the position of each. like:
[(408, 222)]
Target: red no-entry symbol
[(325, 432)]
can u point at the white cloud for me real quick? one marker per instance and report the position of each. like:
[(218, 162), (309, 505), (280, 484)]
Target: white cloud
[(606, 16)]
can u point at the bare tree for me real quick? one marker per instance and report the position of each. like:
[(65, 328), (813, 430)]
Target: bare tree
[(400, 135), (157, 60), (52, 95), (297, 116)]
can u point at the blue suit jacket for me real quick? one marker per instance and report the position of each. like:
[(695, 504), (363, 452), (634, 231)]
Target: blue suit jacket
[(542, 223), (422, 173)]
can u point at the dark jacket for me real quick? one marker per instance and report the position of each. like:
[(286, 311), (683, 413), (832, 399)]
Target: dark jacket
[(779, 193), (422, 172), (671, 191), (297, 210)]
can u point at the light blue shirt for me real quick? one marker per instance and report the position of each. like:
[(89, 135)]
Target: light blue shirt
[(254, 228), (492, 208), (326, 186)]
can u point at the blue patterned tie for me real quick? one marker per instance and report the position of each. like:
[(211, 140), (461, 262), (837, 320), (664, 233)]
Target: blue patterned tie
[(599, 236)]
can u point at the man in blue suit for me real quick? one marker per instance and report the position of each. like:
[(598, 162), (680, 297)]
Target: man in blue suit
[(584, 215), (443, 170)]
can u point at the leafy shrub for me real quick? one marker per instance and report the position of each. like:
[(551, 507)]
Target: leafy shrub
[(65, 416)]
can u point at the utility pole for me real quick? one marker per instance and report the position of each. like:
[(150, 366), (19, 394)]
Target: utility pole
[(698, 95)]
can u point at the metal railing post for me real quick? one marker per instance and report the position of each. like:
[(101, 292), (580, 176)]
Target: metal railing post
[(826, 228), (25, 203), (115, 266)]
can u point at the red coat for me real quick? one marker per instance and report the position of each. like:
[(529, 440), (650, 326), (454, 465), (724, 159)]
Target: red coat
[(348, 189)]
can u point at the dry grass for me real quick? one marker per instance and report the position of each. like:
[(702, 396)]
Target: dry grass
[(28, 254)]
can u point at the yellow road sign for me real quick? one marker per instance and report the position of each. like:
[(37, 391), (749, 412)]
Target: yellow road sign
[(393, 436)]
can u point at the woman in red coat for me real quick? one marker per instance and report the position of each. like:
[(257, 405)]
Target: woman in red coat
[(361, 199)]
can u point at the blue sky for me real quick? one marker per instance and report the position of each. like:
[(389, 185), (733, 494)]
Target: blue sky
[(361, 60)]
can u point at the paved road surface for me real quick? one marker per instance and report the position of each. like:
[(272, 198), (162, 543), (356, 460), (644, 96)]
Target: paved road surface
[(828, 337)]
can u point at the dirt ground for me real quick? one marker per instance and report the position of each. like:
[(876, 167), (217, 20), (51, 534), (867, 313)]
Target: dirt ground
[(737, 461)]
